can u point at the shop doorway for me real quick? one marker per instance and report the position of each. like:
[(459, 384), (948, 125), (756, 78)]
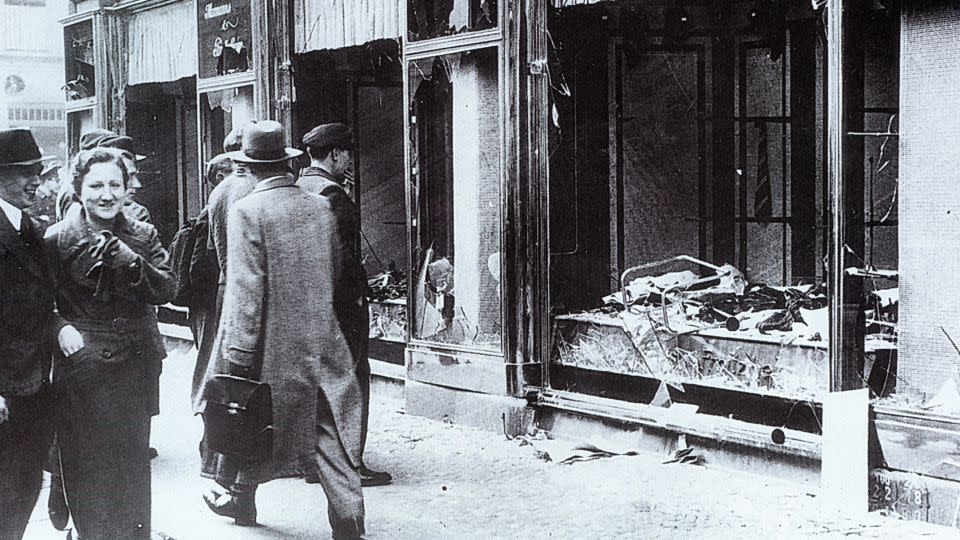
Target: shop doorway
[(362, 87), (162, 120)]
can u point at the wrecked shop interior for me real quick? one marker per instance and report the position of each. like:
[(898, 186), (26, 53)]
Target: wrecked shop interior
[(689, 204)]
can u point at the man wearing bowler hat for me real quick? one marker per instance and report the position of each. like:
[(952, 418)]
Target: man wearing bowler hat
[(330, 147), (28, 328), (284, 251)]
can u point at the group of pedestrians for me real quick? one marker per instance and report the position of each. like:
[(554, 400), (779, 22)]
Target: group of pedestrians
[(80, 350)]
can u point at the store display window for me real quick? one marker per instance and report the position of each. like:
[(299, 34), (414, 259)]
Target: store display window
[(687, 206), (79, 61)]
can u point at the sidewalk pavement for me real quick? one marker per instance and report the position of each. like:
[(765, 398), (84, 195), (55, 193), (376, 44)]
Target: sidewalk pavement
[(457, 482)]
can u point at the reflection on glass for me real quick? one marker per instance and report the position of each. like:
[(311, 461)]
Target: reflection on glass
[(221, 111), (455, 141), (434, 18)]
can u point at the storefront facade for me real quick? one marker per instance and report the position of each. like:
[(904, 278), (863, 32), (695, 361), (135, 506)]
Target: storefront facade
[(131, 68), (700, 204), (692, 220)]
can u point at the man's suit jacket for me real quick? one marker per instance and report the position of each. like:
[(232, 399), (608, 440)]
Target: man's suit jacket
[(278, 318), (27, 328)]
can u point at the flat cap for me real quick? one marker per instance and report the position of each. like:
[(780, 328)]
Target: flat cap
[(329, 136), (108, 139)]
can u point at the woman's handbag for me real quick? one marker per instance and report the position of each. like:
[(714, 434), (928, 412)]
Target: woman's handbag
[(238, 417)]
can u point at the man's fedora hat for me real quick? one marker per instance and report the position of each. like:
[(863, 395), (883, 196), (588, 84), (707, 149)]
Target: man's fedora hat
[(263, 142), (108, 139), (17, 147)]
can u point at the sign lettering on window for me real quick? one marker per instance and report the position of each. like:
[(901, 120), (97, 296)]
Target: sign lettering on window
[(225, 37)]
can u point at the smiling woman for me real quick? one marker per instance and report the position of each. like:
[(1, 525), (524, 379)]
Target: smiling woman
[(102, 188), (111, 271)]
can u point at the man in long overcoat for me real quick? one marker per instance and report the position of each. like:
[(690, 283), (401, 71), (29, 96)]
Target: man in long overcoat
[(226, 193), (330, 147), (279, 325)]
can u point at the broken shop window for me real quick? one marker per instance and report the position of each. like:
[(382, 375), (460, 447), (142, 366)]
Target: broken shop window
[(220, 112), (689, 198), (455, 166), (80, 68), (436, 18)]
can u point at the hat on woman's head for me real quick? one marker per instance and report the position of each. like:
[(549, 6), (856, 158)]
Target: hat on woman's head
[(263, 142), (17, 147)]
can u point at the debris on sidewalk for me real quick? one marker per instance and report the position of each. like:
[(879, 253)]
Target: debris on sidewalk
[(564, 452), (688, 456), (589, 452)]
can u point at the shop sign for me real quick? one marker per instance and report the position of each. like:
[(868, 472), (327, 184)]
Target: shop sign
[(223, 28)]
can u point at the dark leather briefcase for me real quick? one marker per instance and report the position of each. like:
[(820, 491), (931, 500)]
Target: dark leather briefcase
[(238, 417)]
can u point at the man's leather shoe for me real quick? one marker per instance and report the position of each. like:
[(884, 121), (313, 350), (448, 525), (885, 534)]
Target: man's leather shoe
[(246, 508), (239, 505), (221, 504), (372, 478)]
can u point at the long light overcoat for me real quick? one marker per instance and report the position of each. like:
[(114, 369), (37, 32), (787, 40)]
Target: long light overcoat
[(278, 317)]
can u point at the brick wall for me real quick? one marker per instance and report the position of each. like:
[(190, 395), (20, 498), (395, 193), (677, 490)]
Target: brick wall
[(929, 195)]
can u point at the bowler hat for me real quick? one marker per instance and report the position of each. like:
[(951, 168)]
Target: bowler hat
[(329, 136), (17, 147), (106, 138), (263, 142)]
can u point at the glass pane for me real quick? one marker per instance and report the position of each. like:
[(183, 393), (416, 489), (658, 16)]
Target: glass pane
[(80, 70), (78, 123), (221, 111), (455, 159), (434, 18)]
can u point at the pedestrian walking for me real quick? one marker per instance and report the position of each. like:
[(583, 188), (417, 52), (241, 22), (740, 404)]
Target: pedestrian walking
[(230, 190), (280, 238), (330, 148), (227, 192), (27, 329), (111, 271), (203, 316)]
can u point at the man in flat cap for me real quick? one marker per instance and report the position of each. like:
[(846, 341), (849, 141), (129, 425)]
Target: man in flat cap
[(279, 239), (330, 147), (28, 329)]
